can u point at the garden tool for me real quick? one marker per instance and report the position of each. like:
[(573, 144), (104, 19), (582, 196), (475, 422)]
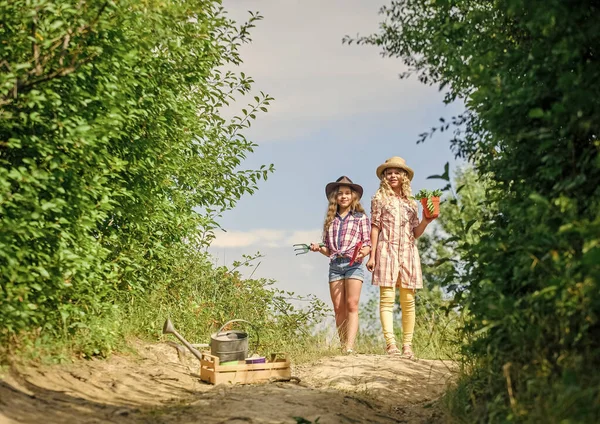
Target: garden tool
[(302, 248), (229, 345), (168, 328)]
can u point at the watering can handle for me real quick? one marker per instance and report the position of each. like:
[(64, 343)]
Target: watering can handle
[(234, 320), (242, 320)]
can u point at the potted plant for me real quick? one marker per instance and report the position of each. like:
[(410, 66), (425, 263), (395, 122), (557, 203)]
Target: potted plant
[(430, 199)]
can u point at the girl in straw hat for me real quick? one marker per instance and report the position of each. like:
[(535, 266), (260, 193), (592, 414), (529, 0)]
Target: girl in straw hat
[(394, 258), (346, 227)]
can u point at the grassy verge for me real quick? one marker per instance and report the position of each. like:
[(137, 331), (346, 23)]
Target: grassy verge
[(435, 335), (199, 297)]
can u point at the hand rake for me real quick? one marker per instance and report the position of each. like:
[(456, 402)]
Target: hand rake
[(302, 248)]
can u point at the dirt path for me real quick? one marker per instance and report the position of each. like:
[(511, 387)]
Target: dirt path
[(157, 387)]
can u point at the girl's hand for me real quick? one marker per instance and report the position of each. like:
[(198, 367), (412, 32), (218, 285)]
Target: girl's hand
[(371, 264), (315, 247), (428, 220), (362, 253)]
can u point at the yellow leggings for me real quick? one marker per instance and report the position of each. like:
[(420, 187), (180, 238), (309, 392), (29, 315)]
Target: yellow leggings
[(386, 313)]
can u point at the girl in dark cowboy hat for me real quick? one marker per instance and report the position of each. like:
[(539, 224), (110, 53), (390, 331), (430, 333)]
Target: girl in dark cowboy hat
[(346, 227)]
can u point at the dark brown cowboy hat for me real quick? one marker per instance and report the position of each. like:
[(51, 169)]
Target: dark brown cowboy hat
[(343, 181)]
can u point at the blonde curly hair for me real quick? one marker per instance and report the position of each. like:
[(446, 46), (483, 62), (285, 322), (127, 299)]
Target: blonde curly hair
[(332, 209), (385, 193)]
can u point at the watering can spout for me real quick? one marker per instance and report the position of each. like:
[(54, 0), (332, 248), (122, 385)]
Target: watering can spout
[(168, 328)]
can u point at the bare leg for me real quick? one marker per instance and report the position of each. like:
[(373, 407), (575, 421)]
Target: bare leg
[(337, 289), (353, 288)]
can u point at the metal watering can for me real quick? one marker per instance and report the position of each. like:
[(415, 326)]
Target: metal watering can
[(231, 345)]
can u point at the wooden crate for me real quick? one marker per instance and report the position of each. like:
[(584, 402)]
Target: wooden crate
[(277, 366)]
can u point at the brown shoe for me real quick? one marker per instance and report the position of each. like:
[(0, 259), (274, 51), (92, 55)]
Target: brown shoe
[(392, 350), (407, 352)]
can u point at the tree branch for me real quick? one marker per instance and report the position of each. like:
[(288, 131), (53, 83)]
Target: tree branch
[(37, 69), (41, 61)]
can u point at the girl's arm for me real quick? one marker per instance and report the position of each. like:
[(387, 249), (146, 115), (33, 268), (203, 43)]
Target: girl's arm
[(365, 238), (374, 238), (315, 247), (364, 252), (420, 229), (375, 223)]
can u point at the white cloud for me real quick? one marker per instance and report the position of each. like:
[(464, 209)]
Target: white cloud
[(258, 237), (264, 237), (234, 239), (297, 56), (307, 236)]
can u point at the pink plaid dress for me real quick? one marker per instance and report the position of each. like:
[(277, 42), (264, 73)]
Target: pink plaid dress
[(397, 261)]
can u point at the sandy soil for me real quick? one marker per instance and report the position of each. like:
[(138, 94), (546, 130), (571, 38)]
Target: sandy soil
[(159, 386)]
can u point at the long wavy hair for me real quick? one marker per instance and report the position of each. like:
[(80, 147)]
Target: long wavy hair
[(332, 209), (385, 193)]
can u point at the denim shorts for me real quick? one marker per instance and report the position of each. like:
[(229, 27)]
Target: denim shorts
[(340, 269)]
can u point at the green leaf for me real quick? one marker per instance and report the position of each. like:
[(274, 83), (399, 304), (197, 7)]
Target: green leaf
[(445, 176), (469, 225), (536, 113)]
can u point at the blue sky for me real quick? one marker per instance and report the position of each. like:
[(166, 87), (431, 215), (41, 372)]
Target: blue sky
[(338, 110)]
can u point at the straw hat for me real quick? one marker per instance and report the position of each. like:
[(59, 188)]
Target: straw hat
[(395, 162), (343, 180)]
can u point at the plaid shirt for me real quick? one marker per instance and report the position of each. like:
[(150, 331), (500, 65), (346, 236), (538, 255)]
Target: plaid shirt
[(397, 260), (345, 233)]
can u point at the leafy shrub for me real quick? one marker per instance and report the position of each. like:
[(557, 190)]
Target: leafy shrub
[(113, 156), (527, 72)]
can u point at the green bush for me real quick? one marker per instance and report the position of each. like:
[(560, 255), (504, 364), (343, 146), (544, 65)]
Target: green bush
[(528, 272), (114, 160)]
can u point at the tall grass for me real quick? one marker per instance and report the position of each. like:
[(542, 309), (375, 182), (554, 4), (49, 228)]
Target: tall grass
[(199, 298), (435, 335), (204, 297)]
